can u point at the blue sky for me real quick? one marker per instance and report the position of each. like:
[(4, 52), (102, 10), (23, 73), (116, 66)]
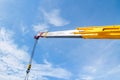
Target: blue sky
[(57, 59)]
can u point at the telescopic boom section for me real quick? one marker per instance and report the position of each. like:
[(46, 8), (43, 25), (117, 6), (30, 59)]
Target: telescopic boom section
[(92, 32)]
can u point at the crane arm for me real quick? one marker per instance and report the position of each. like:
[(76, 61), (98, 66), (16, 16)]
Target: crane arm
[(93, 32)]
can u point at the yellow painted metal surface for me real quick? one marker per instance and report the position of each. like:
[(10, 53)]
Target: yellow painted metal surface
[(100, 32)]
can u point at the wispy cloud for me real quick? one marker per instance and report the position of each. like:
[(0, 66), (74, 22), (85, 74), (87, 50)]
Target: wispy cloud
[(13, 62), (84, 77), (40, 27), (24, 29), (50, 15), (116, 69), (53, 17), (49, 70), (101, 66)]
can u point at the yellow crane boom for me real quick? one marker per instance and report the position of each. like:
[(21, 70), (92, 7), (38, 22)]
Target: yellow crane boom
[(90, 32)]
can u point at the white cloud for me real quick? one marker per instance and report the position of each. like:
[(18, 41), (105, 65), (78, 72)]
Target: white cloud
[(24, 29), (53, 17), (114, 70), (50, 15), (101, 66), (87, 77), (91, 69), (49, 70), (13, 62), (40, 27)]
